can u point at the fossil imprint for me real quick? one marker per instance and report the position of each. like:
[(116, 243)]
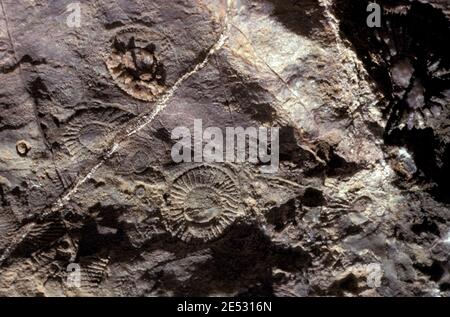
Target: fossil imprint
[(91, 130), (408, 57), (202, 203), (134, 62), (418, 68), (8, 225)]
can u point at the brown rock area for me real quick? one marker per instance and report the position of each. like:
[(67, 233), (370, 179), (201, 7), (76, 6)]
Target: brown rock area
[(359, 205)]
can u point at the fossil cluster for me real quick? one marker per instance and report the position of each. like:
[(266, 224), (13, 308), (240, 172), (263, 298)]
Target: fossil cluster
[(93, 204)]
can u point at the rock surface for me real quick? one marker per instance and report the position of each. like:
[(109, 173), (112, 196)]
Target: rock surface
[(359, 206)]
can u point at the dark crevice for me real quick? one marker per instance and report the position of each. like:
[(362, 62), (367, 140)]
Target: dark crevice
[(435, 271), (410, 68)]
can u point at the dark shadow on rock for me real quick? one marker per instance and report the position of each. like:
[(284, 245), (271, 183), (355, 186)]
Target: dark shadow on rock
[(408, 58), (305, 17)]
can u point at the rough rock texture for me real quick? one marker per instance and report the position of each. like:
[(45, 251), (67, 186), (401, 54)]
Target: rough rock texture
[(359, 207)]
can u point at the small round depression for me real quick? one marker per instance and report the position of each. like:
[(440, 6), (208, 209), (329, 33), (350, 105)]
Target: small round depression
[(92, 135), (139, 161)]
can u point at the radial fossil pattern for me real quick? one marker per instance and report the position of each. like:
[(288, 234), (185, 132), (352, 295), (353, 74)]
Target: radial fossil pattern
[(409, 59), (41, 236), (135, 65), (419, 72), (407, 55), (93, 271), (91, 130), (202, 203), (8, 225), (135, 157)]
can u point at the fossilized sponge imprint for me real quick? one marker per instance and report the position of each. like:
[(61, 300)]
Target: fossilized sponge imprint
[(203, 201), (134, 62)]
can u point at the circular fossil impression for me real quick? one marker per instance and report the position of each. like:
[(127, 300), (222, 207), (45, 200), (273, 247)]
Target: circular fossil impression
[(135, 65), (91, 136), (90, 130), (139, 161), (135, 158), (23, 147), (202, 203)]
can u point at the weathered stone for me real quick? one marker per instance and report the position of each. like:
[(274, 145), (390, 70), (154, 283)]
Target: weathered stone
[(359, 205)]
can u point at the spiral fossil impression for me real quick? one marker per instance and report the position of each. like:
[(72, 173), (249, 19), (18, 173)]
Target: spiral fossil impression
[(203, 202)]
